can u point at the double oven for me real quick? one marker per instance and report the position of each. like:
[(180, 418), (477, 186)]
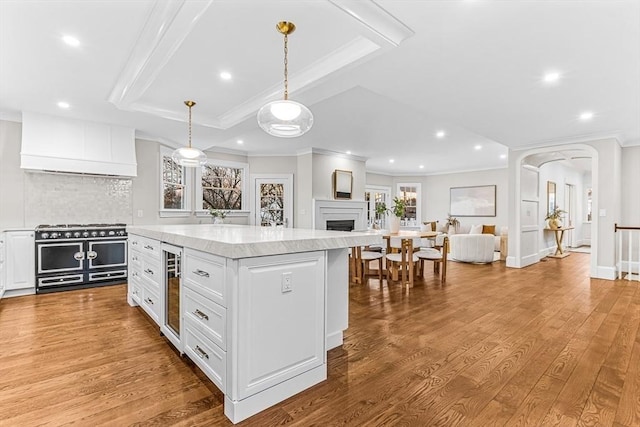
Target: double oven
[(74, 256)]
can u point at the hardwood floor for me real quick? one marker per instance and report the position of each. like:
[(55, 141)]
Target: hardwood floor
[(544, 345)]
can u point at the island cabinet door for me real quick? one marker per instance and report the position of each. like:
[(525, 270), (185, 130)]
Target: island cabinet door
[(280, 320)]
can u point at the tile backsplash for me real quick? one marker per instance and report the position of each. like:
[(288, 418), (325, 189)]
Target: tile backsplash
[(76, 199)]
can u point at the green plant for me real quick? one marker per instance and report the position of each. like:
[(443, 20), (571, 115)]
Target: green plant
[(399, 207), (556, 213), (381, 209), (218, 213)]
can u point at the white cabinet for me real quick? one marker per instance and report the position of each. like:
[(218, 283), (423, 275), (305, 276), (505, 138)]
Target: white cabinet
[(2, 269), (145, 275), (20, 263)]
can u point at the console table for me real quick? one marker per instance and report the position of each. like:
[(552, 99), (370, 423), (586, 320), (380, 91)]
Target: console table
[(559, 234)]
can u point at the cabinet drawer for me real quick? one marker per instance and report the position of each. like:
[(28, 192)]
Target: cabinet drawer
[(206, 316), (208, 356), (205, 273), (151, 271), (151, 303), (135, 259), (135, 290), (149, 247)]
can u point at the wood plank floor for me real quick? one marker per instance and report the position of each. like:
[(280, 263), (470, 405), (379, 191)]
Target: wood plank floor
[(544, 345)]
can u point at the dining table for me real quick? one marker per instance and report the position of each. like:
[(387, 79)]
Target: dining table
[(406, 238)]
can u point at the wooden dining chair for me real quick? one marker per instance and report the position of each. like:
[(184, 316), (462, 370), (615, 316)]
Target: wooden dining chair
[(438, 256), (366, 256), (402, 264)]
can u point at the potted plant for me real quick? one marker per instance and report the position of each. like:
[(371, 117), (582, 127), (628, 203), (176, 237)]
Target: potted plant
[(397, 211), (453, 224), (554, 218), (218, 215)]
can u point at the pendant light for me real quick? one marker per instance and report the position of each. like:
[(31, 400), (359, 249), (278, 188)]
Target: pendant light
[(188, 156), (285, 118)]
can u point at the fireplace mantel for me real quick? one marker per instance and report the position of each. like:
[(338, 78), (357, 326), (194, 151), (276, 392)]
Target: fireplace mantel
[(324, 210)]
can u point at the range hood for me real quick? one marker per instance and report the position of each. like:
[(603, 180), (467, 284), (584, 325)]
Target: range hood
[(55, 144)]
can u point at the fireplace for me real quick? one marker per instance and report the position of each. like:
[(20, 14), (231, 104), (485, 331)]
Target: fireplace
[(341, 225), (328, 214)]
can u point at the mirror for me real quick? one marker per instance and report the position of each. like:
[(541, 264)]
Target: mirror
[(551, 196), (342, 184)]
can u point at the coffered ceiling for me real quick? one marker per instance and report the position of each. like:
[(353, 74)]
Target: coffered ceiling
[(381, 77)]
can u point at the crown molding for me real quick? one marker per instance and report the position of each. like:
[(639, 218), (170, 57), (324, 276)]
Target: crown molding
[(322, 151), (376, 19), (168, 24), (579, 139)]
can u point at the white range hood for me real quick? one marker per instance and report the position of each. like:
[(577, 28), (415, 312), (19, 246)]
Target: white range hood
[(54, 144)]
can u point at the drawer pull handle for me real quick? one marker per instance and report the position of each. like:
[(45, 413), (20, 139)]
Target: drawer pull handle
[(148, 271), (201, 353), (201, 273), (149, 301), (148, 247), (200, 314)]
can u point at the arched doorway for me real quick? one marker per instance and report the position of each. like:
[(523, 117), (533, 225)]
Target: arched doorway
[(530, 199)]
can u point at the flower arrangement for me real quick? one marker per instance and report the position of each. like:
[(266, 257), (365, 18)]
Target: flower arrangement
[(554, 218), (452, 221), (556, 213), (218, 213)]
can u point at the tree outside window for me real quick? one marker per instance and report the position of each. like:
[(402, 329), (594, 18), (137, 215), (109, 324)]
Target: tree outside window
[(222, 187), (173, 185)]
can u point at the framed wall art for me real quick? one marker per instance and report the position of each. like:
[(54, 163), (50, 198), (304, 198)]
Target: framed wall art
[(342, 184), (473, 201)]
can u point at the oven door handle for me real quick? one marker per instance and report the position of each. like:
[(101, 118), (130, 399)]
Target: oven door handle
[(92, 255), (79, 256)]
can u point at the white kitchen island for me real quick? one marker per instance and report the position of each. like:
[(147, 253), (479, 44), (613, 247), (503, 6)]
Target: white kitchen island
[(259, 306)]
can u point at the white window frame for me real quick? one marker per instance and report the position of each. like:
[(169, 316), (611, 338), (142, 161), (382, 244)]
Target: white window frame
[(245, 211), (379, 189), (188, 189), (418, 197)]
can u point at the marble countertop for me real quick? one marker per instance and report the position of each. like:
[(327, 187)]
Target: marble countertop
[(246, 241)]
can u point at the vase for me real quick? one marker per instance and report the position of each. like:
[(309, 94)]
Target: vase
[(217, 220), (394, 224), (555, 223)]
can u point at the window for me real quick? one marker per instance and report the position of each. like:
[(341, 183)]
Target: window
[(410, 193), (174, 190), (223, 186)]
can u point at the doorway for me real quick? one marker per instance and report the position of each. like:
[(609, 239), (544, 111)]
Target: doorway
[(273, 201)]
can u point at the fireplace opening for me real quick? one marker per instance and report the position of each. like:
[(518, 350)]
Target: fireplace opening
[(341, 225)]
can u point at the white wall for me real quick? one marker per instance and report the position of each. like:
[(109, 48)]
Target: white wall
[(323, 168), (11, 176)]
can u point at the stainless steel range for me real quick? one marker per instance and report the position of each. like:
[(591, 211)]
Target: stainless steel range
[(73, 256)]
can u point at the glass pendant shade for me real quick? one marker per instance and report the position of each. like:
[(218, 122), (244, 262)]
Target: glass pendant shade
[(285, 118), (188, 156)]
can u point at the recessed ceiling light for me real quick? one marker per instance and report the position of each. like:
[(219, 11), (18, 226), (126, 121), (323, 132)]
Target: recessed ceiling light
[(225, 75), (348, 152), (391, 160), (503, 156), (478, 147), (240, 141), (71, 41), (440, 134), (421, 166), (551, 77), (63, 104), (587, 115)]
